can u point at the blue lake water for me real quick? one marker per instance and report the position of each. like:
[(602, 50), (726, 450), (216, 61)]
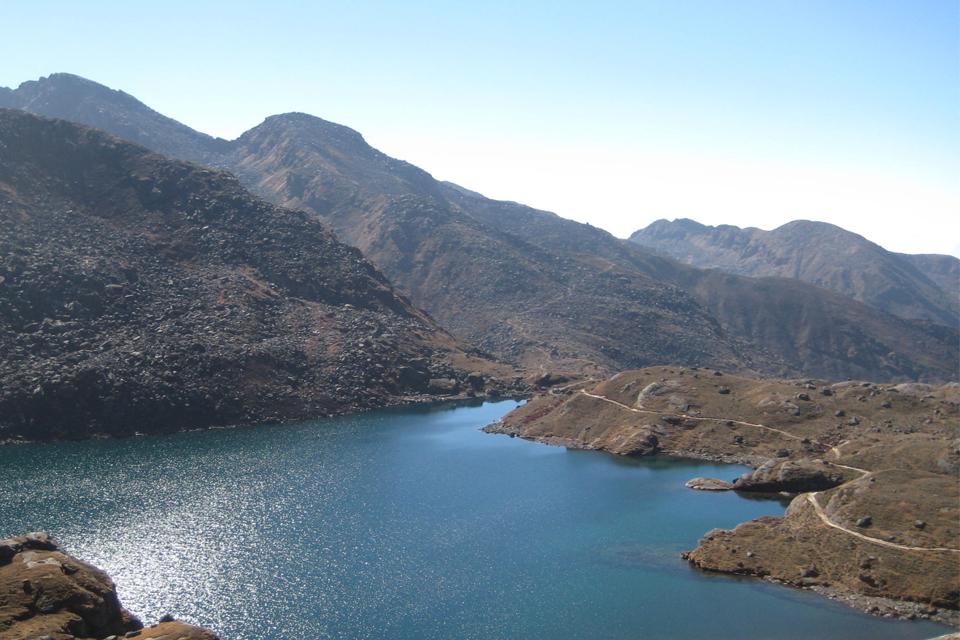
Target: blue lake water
[(406, 524)]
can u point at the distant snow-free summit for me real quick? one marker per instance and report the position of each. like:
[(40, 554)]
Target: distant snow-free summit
[(925, 287)]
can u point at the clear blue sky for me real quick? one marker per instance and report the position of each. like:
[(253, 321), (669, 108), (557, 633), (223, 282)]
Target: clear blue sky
[(750, 113)]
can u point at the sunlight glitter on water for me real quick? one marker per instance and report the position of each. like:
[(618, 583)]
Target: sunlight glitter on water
[(405, 524)]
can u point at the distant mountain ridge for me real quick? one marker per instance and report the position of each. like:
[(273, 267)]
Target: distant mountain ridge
[(925, 287), (527, 285), (119, 113)]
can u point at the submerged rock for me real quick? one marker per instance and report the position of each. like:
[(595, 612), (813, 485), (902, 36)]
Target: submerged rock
[(709, 484)]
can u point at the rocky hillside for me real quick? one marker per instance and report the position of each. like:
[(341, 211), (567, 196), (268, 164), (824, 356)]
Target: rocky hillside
[(874, 470), (45, 593), (923, 287), (140, 294), (526, 285), (788, 326)]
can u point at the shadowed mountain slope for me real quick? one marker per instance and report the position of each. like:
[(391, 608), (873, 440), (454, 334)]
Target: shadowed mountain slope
[(546, 292), (143, 294), (923, 287)]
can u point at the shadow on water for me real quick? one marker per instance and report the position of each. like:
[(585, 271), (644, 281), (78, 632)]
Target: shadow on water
[(766, 497)]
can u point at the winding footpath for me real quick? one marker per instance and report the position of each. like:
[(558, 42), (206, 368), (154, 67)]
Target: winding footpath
[(689, 417), (811, 497)]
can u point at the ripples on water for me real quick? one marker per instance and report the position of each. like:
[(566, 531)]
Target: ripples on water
[(405, 524)]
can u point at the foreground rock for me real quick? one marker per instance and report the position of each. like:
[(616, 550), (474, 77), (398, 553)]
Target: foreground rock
[(139, 294), (176, 630), (876, 468), (45, 593)]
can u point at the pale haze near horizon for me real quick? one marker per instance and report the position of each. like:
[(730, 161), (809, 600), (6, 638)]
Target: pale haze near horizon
[(616, 114)]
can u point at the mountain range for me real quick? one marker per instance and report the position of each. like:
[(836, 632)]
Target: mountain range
[(527, 286), (923, 287), (143, 294)]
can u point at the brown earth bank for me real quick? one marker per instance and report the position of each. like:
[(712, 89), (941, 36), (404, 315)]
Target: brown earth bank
[(873, 468), (141, 294), (47, 594)]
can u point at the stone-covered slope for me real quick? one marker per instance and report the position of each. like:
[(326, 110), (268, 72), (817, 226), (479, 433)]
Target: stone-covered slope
[(139, 294), (876, 467), (914, 287)]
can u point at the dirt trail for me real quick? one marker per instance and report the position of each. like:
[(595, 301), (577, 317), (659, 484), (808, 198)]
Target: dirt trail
[(811, 497), (689, 417)]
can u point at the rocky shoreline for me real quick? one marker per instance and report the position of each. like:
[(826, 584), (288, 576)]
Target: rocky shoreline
[(872, 470), (408, 401), (46, 594), (875, 605)]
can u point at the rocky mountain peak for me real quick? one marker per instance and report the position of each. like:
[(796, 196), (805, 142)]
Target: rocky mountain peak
[(306, 124), (71, 97)]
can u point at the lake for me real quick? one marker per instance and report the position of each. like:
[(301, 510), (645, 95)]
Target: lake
[(407, 524)]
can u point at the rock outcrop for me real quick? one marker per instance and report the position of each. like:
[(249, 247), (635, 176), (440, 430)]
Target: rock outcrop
[(792, 476), (45, 593)]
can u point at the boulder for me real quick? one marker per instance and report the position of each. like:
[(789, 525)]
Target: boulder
[(551, 379), (411, 378), (798, 476), (443, 386), (709, 484), (476, 381), (640, 442)]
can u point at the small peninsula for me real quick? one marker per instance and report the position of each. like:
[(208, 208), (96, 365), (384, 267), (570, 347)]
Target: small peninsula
[(872, 469)]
